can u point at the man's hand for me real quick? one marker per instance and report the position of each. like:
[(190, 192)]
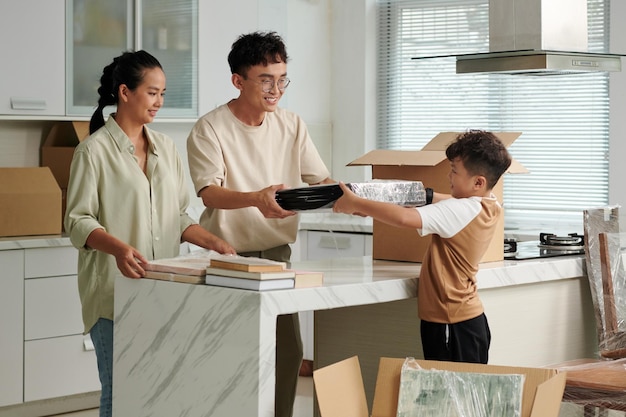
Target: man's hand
[(267, 203)]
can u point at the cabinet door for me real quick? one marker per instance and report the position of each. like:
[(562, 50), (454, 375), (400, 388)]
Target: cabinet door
[(33, 62), (169, 31), (50, 262), (58, 367), (97, 31), (101, 30), (52, 307), (11, 326), (324, 245)]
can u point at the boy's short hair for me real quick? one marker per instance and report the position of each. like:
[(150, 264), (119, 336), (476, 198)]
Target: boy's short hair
[(482, 153), (256, 48)]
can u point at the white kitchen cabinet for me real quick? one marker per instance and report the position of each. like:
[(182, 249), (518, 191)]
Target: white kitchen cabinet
[(52, 307), (101, 30), (59, 366), (11, 327), (58, 359), (324, 245), (50, 262), (316, 245), (33, 69)]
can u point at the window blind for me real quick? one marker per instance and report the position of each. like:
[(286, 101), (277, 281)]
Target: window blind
[(564, 119)]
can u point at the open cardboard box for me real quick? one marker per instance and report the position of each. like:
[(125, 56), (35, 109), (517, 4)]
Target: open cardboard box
[(57, 152), (30, 202), (340, 392), (431, 167), (58, 148)]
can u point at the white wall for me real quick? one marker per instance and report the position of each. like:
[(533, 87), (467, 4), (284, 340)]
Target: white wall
[(353, 95)]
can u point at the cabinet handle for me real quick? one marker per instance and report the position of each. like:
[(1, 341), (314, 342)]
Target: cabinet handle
[(334, 242), (87, 343), (24, 103)]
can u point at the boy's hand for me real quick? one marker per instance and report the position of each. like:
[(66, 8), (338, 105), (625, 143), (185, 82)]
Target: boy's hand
[(348, 202)]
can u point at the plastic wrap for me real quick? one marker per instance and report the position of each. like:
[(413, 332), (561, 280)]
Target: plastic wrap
[(610, 296), (402, 193), (592, 384), (438, 393), (601, 382)]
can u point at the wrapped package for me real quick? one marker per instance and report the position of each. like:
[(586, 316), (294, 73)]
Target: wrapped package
[(608, 296), (600, 382), (400, 192), (323, 197), (440, 393)]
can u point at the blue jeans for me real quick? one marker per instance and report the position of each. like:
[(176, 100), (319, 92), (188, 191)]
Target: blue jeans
[(102, 336)]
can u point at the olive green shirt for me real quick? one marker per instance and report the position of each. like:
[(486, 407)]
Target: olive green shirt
[(108, 190)]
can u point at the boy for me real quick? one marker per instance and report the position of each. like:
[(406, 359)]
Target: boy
[(453, 324)]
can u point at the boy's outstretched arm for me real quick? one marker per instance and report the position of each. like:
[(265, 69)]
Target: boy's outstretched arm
[(392, 214)]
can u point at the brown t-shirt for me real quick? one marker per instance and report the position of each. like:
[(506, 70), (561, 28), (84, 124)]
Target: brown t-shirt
[(461, 231)]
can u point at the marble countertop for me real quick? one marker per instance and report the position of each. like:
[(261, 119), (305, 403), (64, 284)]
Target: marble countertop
[(340, 271), (33, 242)]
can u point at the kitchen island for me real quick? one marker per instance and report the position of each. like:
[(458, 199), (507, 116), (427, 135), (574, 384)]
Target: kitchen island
[(184, 349)]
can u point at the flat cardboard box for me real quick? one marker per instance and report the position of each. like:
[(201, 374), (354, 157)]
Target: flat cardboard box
[(30, 202), (431, 167), (58, 148), (340, 391)]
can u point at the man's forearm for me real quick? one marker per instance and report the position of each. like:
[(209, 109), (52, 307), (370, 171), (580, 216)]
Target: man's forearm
[(218, 197)]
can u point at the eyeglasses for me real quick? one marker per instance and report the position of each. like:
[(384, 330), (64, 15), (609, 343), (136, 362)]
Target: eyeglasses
[(268, 85)]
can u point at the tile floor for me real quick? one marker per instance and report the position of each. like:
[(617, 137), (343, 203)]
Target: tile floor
[(303, 406)]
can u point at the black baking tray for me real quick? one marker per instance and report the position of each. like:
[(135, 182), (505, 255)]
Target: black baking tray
[(309, 198)]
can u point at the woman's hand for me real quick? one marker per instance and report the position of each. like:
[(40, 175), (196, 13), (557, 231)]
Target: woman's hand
[(129, 262)]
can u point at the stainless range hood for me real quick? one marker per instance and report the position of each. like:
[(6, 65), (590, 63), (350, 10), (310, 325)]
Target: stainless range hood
[(538, 37)]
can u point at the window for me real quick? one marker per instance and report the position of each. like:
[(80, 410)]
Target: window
[(564, 118)]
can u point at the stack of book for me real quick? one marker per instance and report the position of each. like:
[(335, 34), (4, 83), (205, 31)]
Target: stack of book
[(257, 274), (232, 271), (188, 269)]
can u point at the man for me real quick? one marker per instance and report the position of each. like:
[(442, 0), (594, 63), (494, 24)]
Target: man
[(240, 154)]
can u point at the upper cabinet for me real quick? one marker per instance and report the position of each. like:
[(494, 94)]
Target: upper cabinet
[(100, 31), (33, 59), (53, 53)]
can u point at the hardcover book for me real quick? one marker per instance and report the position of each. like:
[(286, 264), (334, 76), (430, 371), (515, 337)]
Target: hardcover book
[(308, 279), (246, 263), (210, 270), (181, 265), (168, 276), (250, 284)]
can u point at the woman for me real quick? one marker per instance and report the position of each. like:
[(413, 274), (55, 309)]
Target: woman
[(126, 198)]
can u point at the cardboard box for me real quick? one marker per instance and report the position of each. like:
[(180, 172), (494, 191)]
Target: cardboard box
[(340, 392), (30, 202), (58, 148), (431, 167)]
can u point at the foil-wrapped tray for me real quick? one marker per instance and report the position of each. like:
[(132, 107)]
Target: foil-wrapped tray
[(322, 197)]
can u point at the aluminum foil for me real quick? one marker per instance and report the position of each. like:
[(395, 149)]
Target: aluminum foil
[(400, 192)]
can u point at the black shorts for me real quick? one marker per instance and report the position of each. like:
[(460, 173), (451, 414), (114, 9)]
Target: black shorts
[(467, 341)]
